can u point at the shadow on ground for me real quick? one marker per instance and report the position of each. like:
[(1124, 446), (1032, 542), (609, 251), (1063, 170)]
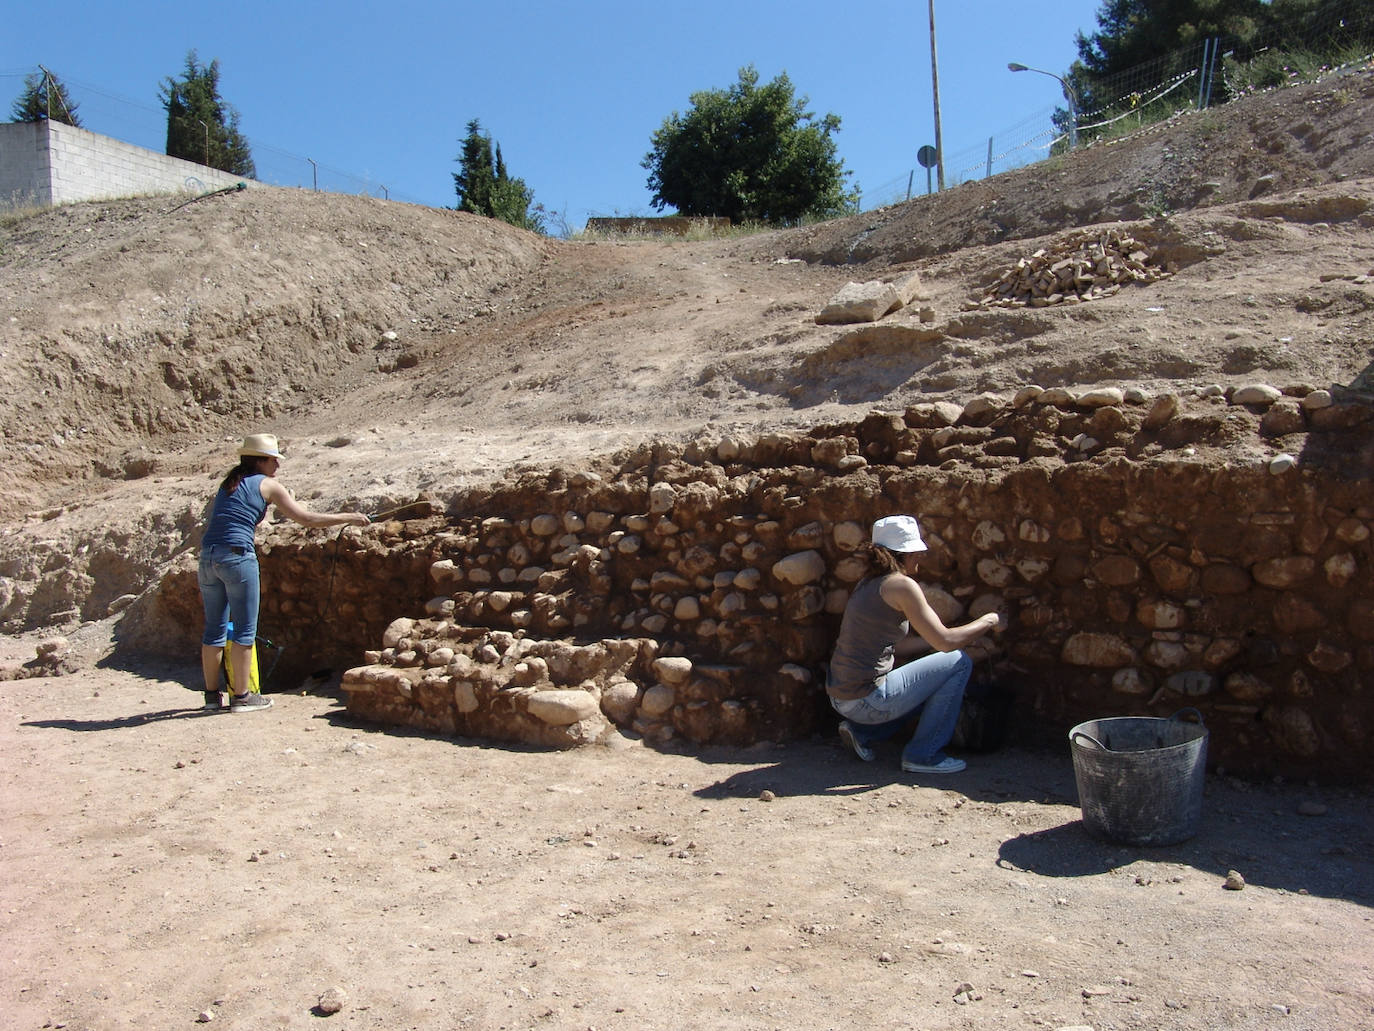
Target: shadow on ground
[(1262, 831)]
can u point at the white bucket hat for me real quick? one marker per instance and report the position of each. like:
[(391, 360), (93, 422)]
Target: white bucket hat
[(259, 445), (898, 533)]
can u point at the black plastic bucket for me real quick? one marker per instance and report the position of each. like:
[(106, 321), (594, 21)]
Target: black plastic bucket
[(1140, 778)]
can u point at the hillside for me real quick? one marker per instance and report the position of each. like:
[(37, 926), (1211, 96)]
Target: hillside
[(399, 349), (385, 865)]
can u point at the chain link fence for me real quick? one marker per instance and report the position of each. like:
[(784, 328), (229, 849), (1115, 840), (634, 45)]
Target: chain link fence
[(1208, 72), (145, 125)]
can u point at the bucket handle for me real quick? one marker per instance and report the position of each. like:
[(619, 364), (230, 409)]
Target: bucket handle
[(1083, 734), (1189, 709)]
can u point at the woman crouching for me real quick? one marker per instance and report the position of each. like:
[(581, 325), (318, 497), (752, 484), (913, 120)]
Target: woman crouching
[(868, 688)]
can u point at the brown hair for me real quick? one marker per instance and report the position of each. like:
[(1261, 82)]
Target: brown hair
[(249, 465), (881, 561)]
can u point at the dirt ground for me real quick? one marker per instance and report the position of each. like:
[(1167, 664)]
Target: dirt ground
[(163, 864)]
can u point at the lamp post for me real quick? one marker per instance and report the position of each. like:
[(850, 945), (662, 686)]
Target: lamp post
[(1069, 95)]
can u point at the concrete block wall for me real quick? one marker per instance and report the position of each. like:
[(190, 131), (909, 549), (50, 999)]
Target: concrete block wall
[(52, 163), (24, 165)]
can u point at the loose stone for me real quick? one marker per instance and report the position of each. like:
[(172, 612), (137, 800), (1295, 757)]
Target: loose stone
[(1101, 398), (1256, 394), (332, 1000)]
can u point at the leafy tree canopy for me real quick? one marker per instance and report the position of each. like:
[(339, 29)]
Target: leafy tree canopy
[(749, 153), (44, 97), (1134, 32), (200, 126), (485, 188)]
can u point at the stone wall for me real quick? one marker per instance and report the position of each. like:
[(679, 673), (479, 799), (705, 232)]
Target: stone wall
[(46, 163), (694, 591)]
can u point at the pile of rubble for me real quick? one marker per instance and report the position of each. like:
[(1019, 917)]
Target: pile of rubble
[(1083, 268)]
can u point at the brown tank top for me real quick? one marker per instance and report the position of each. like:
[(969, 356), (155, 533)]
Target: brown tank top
[(863, 651)]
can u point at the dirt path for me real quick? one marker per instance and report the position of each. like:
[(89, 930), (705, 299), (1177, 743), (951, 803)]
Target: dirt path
[(161, 863)]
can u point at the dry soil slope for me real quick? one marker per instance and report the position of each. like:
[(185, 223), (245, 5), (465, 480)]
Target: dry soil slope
[(141, 327), (405, 348), (139, 324), (1266, 144)]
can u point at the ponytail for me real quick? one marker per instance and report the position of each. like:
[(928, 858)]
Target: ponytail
[(249, 465), (881, 561)]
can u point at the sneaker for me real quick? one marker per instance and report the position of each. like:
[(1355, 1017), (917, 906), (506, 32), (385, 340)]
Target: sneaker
[(939, 764), (249, 703), (214, 701), (856, 746)]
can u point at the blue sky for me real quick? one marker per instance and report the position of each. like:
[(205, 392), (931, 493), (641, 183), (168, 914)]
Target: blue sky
[(378, 94)]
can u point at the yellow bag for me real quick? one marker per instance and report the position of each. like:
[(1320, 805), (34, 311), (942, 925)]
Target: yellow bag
[(254, 687)]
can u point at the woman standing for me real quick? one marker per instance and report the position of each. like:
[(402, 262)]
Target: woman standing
[(865, 684), (228, 570)]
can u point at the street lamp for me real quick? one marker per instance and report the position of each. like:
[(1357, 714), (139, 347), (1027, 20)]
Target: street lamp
[(1069, 95)]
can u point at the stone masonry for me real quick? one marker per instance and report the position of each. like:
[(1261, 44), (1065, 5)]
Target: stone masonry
[(693, 591)]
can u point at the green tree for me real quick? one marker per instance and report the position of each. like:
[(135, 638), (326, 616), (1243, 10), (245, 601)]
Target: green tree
[(44, 97), (1134, 32), (485, 188), (1141, 43), (1154, 40), (200, 126), (750, 153)]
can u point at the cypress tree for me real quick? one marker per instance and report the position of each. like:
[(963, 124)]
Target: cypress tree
[(200, 126)]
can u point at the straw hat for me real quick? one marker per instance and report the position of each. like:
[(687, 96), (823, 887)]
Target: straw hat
[(898, 533), (259, 445)]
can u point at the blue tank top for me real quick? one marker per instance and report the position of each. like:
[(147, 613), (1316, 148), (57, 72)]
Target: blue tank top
[(235, 516)]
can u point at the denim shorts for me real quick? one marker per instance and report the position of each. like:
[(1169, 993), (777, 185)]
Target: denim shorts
[(229, 591)]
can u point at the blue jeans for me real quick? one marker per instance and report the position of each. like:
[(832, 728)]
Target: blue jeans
[(933, 683), (229, 591)]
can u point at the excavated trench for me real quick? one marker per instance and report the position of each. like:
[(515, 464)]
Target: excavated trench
[(692, 592)]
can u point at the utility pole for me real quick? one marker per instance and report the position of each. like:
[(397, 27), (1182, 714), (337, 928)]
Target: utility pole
[(49, 85), (207, 142), (935, 91)]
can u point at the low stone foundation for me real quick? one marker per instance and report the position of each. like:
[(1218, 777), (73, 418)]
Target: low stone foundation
[(497, 685)]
